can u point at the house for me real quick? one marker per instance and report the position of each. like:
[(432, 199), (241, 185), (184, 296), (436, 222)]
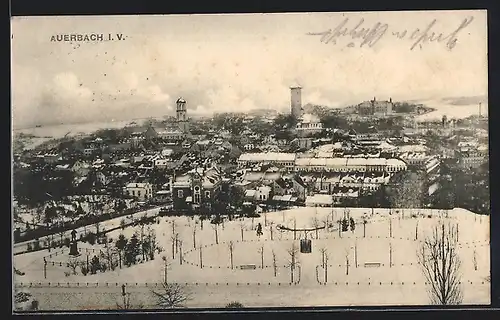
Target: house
[(161, 163), (249, 147), (150, 133), (259, 194), (170, 134), (369, 133), (285, 160), (123, 144), (472, 157), (319, 200), (81, 168), (374, 107), (141, 190), (308, 125), (302, 143), (186, 144), (290, 185), (51, 156), (197, 188), (103, 178)]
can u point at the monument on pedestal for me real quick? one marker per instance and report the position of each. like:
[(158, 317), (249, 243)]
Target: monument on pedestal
[(73, 249)]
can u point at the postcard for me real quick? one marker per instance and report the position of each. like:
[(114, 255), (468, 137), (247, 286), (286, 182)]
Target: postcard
[(237, 161)]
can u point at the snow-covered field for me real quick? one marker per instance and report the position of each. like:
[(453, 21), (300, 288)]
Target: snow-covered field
[(369, 266)]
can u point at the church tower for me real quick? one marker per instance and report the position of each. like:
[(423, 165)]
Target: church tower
[(182, 120)]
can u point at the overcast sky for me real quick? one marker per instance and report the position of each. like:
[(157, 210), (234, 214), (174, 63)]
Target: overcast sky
[(234, 62)]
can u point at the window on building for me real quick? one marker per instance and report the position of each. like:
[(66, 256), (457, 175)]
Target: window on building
[(196, 198), (207, 194), (180, 193)]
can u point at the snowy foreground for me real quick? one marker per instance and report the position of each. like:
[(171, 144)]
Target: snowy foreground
[(376, 264)]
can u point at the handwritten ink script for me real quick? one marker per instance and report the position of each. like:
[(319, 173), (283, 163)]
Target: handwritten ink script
[(361, 35)]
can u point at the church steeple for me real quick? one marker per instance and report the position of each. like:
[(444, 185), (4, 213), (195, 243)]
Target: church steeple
[(181, 113)]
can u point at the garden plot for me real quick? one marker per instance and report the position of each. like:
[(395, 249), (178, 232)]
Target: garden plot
[(379, 253)]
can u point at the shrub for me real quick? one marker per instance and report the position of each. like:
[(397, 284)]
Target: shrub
[(84, 270), (234, 305)]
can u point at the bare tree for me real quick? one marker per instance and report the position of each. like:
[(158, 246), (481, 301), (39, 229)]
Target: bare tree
[(97, 226), (215, 227), (201, 256), (141, 234), (323, 252), (166, 265), (390, 255), (416, 231), (61, 235), (440, 263), (274, 264), (174, 225), (364, 227), (294, 228), (316, 224), (390, 227), (242, 228), (324, 261), (180, 251), (292, 263), (356, 254), (340, 227), (194, 236), (110, 257), (172, 295), (474, 259), (73, 264), (231, 248), (175, 243), (347, 262), (261, 252)]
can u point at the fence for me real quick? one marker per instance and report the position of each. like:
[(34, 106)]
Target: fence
[(222, 284)]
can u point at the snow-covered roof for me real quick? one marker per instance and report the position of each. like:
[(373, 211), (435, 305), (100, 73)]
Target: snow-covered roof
[(250, 193), (309, 118), (333, 162), (138, 185), (319, 199), (267, 156), (413, 148)]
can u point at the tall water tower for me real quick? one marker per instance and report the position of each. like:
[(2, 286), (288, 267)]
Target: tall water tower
[(296, 101)]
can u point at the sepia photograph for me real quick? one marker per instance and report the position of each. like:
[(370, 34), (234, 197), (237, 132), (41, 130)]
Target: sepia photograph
[(236, 161)]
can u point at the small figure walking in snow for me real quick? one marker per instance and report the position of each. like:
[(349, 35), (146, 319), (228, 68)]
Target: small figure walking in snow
[(259, 230)]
